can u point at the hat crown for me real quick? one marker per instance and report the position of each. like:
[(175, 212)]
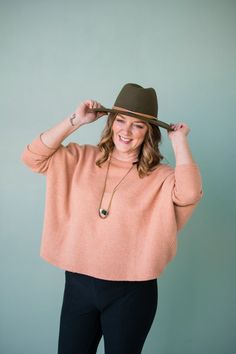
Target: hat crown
[(138, 99)]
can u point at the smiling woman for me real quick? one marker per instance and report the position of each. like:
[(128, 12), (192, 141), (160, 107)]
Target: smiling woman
[(112, 216), (131, 139), (128, 136)]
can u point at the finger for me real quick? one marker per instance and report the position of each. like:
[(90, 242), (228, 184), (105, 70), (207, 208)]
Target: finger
[(96, 104), (91, 103), (88, 103), (178, 126)]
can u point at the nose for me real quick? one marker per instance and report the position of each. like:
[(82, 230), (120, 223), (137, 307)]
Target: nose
[(127, 129)]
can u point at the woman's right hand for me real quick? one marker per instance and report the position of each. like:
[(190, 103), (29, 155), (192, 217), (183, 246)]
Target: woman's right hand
[(82, 116)]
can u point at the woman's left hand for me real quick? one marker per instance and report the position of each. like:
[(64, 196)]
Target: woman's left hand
[(180, 129)]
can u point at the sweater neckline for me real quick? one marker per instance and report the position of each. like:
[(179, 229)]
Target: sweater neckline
[(120, 163)]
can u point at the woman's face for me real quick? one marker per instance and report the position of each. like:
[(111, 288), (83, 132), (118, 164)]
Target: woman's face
[(128, 134)]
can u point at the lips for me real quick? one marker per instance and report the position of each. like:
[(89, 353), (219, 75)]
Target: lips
[(124, 139)]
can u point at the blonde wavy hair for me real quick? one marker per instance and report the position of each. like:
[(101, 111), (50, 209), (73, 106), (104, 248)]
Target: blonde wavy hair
[(149, 156)]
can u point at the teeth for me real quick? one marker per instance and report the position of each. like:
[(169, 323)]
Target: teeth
[(124, 139)]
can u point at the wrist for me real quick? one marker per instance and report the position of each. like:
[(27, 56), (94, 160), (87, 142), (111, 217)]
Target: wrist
[(75, 120), (179, 138)]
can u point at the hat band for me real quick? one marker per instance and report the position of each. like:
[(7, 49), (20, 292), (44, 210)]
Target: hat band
[(148, 116)]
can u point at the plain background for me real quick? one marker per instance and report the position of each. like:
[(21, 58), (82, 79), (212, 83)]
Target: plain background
[(54, 55)]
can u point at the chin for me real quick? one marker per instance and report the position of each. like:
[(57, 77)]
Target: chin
[(123, 148)]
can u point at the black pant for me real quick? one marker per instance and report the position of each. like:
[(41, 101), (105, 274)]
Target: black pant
[(121, 311)]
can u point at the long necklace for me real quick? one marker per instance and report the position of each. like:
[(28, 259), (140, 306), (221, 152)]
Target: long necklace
[(103, 213)]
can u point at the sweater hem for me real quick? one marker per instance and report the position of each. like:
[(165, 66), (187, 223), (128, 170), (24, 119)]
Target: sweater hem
[(75, 269)]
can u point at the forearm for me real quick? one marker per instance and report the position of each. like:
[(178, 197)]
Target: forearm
[(183, 154), (53, 137)]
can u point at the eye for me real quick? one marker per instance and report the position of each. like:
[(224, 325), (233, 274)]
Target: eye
[(119, 120), (139, 126)]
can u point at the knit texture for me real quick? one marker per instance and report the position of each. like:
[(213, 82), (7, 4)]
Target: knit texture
[(138, 238)]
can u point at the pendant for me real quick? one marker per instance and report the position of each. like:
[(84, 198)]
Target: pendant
[(103, 213)]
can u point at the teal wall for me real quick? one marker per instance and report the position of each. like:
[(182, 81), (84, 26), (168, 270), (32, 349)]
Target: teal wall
[(55, 54)]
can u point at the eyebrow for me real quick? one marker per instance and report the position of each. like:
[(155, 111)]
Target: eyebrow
[(136, 121)]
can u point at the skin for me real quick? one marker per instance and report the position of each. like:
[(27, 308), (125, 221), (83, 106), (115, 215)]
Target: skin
[(132, 129)]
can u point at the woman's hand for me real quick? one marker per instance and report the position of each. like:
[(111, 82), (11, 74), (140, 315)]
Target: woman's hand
[(82, 116), (180, 130)]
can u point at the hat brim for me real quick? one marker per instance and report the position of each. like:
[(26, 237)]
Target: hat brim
[(153, 121)]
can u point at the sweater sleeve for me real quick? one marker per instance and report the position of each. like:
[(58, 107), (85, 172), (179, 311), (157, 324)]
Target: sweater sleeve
[(38, 156), (187, 185), (187, 192)]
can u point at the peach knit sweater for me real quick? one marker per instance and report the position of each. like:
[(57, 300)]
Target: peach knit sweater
[(138, 238)]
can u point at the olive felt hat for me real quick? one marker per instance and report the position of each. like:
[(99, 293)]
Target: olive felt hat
[(138, 102)]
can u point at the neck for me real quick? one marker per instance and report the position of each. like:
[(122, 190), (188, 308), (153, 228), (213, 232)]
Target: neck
[(125, 156)]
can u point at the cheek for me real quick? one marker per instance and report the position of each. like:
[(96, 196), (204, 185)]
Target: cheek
[(115, 131), (141, 135), (115, 128)]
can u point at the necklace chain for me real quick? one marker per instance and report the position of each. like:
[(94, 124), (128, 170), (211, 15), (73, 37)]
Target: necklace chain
[(103, 213)]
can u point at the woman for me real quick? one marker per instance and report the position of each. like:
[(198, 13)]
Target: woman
[(112, 214)]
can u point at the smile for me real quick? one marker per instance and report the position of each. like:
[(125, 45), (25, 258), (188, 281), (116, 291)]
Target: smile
[(124, 140)]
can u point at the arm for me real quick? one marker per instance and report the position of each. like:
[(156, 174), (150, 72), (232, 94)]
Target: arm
[(180, 144), (187, 187), (37, 155), (54, 136), (188, 184)]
